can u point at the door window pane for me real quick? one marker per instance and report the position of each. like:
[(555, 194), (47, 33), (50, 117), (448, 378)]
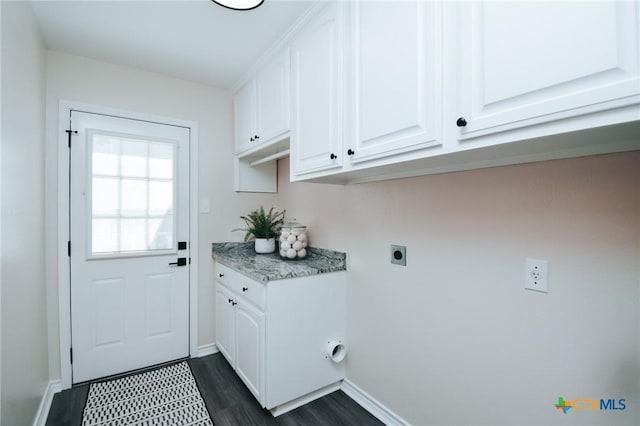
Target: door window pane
[(134, 235), (132, 195), (160, 161), (160, 198), (134, 200), (103, 232), (134, 158), (106, 151), (106, 195)]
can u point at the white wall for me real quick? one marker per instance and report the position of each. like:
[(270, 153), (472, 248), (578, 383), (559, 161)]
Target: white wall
[(453, 338), (24, 331), (85, 80)]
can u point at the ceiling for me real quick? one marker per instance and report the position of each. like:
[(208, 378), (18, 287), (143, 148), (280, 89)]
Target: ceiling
[(195, 40)]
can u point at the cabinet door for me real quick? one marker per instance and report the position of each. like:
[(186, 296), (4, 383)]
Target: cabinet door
[(244, 108), (396, 77), (525, 63), (250, 343), (317, 84), (272, 98), (225, 324)]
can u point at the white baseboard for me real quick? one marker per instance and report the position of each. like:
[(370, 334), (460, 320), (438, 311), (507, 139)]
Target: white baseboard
[(372, 405), (208, 349), (53, 387), (305, 399)]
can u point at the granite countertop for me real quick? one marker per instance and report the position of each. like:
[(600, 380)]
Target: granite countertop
[(270, 267)]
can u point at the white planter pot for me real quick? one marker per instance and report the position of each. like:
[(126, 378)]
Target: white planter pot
[(264, 245)]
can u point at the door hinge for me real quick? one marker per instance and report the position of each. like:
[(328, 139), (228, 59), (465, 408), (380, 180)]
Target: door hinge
[(69, 248), (71, 355), (69, 133)]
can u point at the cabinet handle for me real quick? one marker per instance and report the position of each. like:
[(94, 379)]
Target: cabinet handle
[(251, 139), (230, 300), (256, 137), (244, 289), (221, 275), (333, 156), (234, 303), (350, 151), (461, 122)]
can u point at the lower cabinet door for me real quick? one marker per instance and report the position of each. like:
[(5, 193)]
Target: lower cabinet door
[(225, 323), (250, 334)]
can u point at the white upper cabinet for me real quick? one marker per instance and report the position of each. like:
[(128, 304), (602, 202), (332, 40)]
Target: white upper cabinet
[(395, 78), (391, 89), (529, 63), (317, 86), (261, 106), (244, 108), (272, 99)]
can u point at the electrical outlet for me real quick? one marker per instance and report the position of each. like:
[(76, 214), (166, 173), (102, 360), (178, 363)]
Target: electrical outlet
[(537, 275), (398, 255)]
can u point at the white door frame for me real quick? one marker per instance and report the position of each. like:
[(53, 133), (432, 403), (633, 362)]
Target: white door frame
[(64, 271)]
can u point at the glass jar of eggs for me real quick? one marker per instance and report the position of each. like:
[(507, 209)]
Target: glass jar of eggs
[(293, 241)]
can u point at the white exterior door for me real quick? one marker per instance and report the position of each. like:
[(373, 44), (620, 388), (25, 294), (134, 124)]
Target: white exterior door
[(129, 224)]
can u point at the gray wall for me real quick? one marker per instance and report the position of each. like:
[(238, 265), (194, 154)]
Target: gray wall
[(24, 330), (453, 338), (74, 78)]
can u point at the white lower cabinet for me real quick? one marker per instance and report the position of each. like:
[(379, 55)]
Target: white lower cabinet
[(250, 348), (225, 324), (276, 335)]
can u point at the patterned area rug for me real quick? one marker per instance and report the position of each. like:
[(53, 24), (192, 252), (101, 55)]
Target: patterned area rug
[(167, 396)]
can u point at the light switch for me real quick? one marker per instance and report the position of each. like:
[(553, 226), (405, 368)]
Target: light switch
[(204, 205)]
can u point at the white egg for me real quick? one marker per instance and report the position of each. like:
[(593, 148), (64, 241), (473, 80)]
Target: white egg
[(296, 232), (302, 237), (296, 246), (302, 253), (285, 246), (304, 244), (283, 238), (291, 253), (285, 234), (291, 239), (283, 253)]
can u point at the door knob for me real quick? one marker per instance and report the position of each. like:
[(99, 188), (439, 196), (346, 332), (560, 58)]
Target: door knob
[(350, 151), (333, 156), (244, 289), (182, 261), (461, 122)]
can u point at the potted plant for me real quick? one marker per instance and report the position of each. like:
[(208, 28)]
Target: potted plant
[(263, 227)]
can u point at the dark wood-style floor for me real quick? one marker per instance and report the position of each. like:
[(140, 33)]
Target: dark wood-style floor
[(230, 403)]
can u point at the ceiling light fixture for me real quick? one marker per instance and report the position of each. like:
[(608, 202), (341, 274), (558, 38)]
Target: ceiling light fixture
[(239, 4)]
